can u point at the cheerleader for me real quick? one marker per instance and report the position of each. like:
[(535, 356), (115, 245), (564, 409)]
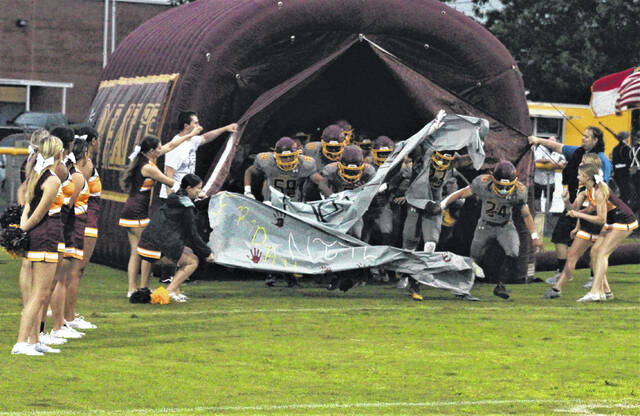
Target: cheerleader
[(41, 219), (74, 233), (616, 220), (138, 180), (173, 233)]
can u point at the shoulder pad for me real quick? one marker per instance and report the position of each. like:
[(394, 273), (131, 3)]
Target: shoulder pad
[(306, 158), (264, 155), (311, 146), (485, 178)]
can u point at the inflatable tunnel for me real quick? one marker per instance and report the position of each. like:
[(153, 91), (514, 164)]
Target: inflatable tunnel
[(278, 67)]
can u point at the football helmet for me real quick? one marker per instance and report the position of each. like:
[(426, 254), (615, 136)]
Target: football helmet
[(286, 153), (442, 160), (333, 142), (505, 178), (382, 148), (347, 130), (363, 141), (351, 164)]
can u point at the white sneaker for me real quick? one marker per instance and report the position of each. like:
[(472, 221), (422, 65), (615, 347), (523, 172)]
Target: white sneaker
[(403, 283), (49, 312), (67, 332), (50, 339), (589, 283), (40, 347), (80, 323), (129, 293), (179, 298), (24, 348), (592, 297)]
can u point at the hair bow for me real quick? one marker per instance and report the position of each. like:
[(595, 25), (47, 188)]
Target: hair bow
[(136, 152), (83, 137), (598, 177), (70, 157), (42, 163)]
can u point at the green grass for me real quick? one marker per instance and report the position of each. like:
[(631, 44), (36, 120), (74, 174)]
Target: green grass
[(242, 348)]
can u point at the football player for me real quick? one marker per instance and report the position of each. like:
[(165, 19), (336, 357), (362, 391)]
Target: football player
[(363, 141), (419, 224), (285, 169), (326, 151), (501, 194), (347, 130), (349, 172)]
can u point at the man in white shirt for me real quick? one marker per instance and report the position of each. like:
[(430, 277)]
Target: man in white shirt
[(547, 162), (182, 160)]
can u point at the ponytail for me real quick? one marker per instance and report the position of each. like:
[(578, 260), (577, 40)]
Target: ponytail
[(126, 178), (50, 148)]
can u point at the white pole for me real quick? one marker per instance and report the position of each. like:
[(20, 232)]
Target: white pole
[(27, 106), (113, 25), (64, 100), (105, 40)]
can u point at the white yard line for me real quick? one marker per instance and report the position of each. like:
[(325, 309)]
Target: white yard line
[(328, 310), (577, 406)]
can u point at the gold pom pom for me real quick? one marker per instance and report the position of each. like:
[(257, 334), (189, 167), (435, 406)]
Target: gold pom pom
[(160, 296)]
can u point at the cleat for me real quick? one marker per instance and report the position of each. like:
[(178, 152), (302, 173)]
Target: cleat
[(593, 297), (589, 283), (40, 347), (416, 296), (334, 284), (467, 297), (551, 294), (270, 280), (23, 348), (49, 339), (345, 284), (403, 283), (291, 281), (501, 291), (609, 296), (553, 280), (80, 323)]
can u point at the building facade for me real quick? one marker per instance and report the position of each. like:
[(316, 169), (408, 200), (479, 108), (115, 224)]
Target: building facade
[(52, 51)]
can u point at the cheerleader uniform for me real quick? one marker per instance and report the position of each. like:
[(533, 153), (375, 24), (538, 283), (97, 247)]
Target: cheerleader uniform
[(45, 239), (587, 230), (93, 205), (620, 217), (135, 213), (76, 223), (68, 188)]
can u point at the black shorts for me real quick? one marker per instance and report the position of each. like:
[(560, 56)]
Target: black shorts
[(562, 231)]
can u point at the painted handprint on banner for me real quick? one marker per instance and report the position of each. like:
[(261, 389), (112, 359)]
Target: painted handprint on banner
[(254, 255), (279, 216)]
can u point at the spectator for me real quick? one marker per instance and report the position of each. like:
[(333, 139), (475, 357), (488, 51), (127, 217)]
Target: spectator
[(544, 176)]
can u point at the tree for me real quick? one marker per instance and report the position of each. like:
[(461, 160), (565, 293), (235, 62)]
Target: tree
[(562, 46)]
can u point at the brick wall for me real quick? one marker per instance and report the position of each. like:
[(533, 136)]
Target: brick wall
[(62, 42)]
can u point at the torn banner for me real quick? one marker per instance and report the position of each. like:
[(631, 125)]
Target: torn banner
[(446, 132), (251, 235)]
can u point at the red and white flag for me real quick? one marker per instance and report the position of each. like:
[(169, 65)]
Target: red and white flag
[(629, 94), (606, 91)]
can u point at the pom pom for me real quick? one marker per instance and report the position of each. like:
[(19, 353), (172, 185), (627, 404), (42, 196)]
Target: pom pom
[(142, 295), (161, 296), (15, 241), (11, 215)]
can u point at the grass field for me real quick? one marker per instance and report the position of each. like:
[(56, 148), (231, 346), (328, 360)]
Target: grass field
[(242, 348)]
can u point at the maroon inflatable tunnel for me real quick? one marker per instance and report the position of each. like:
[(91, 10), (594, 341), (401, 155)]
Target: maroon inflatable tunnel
[(298, 65)]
